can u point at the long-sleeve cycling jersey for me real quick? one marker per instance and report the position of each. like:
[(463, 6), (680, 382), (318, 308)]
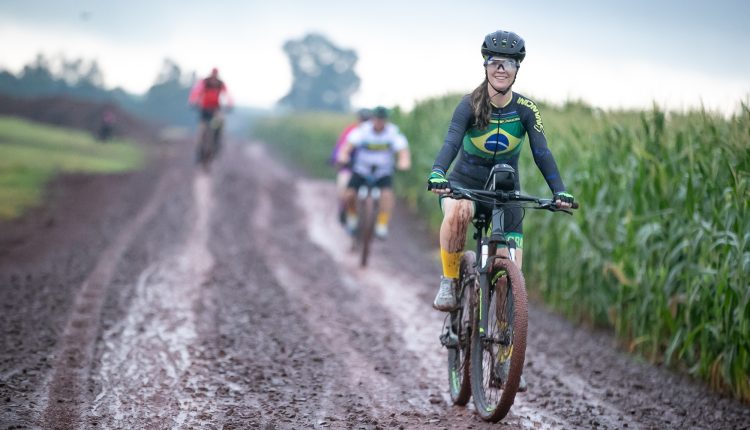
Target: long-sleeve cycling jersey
[(499, 142)]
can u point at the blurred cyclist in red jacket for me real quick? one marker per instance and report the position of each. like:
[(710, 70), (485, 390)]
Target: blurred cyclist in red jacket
[(207, 96)]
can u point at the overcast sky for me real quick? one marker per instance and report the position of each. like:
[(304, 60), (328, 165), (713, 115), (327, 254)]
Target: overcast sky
[(679, 54)]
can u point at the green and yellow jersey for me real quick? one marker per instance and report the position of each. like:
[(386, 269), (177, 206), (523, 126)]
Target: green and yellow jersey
[(479, 149)]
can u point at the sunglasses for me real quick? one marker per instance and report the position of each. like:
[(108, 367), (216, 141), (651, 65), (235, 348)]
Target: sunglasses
[(507, 64)]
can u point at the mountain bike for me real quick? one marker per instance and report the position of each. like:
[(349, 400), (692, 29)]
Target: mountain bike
[(368, 205), (488, 329), (210, 140)]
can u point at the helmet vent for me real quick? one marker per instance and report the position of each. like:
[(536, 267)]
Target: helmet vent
[(504, 44)]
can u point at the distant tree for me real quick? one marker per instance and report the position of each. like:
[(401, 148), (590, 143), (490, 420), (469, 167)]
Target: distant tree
[(37, 79), (166, 100), (323, 75), (93, 75), (70, 70)]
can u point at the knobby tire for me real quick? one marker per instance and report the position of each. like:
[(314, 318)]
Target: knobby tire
[(205, 147), (461, 321), (493, 402), (209, 145)]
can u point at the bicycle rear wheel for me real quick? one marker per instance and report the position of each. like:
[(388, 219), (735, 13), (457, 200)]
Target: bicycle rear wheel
[(458, 339), (497, 357)]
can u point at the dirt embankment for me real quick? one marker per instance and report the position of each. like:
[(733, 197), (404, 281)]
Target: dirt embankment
[(81, 114)]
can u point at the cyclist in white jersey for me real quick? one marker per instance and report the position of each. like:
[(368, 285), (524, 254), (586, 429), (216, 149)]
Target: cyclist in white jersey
[(380, 149)]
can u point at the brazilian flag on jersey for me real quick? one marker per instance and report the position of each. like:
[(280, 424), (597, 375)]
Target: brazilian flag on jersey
[(501, 139)]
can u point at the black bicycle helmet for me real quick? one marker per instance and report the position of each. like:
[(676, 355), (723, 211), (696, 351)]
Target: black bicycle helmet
[(504, 44), (380, 112)]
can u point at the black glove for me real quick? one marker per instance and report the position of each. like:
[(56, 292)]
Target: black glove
[(563, 197), (437, 181)]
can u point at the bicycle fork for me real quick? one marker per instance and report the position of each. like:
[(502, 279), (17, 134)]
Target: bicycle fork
[(488, 246)]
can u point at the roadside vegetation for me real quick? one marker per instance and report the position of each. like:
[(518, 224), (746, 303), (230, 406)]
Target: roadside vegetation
[(31, 154), (660, 249), (306, 140)]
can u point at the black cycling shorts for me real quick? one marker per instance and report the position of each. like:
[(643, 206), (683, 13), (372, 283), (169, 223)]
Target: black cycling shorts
[(207, 114), (358, 180), (513, 213)]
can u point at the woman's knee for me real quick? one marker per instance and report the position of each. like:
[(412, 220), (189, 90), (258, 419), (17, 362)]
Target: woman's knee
[(458, 211)]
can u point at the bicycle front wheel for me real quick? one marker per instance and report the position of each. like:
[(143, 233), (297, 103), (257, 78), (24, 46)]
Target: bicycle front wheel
[(497, 356), (459, 333), (367, 227), (204, 147)]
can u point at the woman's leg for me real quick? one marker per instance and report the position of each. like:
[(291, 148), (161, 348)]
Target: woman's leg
[(457, 215)]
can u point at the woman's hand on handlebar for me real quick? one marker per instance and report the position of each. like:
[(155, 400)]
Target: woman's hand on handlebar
[(438, 183), (564, 200)]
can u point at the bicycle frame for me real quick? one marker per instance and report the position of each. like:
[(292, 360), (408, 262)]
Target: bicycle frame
[(486, 251)]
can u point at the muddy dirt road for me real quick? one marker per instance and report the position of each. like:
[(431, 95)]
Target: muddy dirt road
[(176, 299)]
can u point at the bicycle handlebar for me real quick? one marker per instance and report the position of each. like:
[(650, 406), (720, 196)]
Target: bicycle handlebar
[(508, 196)]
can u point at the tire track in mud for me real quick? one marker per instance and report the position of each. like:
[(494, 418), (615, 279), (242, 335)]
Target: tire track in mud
[(74, 357), (146, 357), (368, 343)]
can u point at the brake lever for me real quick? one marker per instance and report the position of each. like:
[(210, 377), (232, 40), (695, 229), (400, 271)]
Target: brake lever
[(553, 208), (550, 206)]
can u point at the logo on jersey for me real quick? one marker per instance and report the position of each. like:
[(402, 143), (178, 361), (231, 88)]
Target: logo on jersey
[(537, 115), (378, 146), (496, 143)]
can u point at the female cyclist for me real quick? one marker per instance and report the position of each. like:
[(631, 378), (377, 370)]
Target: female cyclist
[(488, 127)]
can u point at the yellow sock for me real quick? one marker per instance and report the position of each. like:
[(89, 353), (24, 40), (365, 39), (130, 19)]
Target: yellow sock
[(383, 218), (451, 263)]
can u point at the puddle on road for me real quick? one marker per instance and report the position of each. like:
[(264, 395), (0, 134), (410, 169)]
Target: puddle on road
[(147, 356)]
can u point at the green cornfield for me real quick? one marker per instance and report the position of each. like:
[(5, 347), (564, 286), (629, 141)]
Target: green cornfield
[(660, 249)]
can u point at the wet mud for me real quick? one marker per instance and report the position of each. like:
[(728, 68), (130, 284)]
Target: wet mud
[(230, 299)]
